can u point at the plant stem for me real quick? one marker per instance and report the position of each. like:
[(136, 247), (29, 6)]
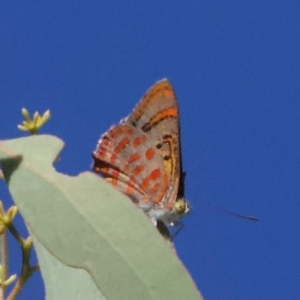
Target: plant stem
[(12, 229), (27, 270), (3, 262)]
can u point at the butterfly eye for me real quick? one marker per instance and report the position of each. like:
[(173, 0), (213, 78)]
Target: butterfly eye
[(180, 206)]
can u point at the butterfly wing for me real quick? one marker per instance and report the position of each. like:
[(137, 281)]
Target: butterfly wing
[(125, 158), (157, 116), (141, 155)]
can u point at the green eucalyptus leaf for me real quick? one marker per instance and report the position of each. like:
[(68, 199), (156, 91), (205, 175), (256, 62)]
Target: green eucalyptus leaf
[(63, 282), (86, 224)]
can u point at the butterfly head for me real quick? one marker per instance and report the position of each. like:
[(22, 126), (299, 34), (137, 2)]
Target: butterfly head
[(171, 216), (181, 207)]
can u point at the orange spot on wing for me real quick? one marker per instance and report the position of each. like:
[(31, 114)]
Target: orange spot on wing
[(154, 189), (114, 132), (168, 93), (102, 170), (139, 140), (155, 174), (171, 112), (160, 196), (150, 153), (114, 175), (166, 113), (97, 169), (124, 142), (134, 157), (128, 130), (137, 170), (130, 187)]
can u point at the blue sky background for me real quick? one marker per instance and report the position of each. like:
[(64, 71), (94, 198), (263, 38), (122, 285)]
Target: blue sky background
[(235, 68)]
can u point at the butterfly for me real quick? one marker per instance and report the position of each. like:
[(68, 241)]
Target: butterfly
[(141, 156)]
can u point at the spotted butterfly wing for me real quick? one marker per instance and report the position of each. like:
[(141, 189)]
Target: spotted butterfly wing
[(141, 157)]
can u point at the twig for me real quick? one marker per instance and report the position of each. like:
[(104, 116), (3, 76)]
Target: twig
[(27, 270), (3, 262)]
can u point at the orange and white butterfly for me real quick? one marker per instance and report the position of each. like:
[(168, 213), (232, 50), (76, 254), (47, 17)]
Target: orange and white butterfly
[(141, 156)]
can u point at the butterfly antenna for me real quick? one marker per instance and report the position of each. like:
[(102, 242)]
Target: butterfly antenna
[(250, 218)]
